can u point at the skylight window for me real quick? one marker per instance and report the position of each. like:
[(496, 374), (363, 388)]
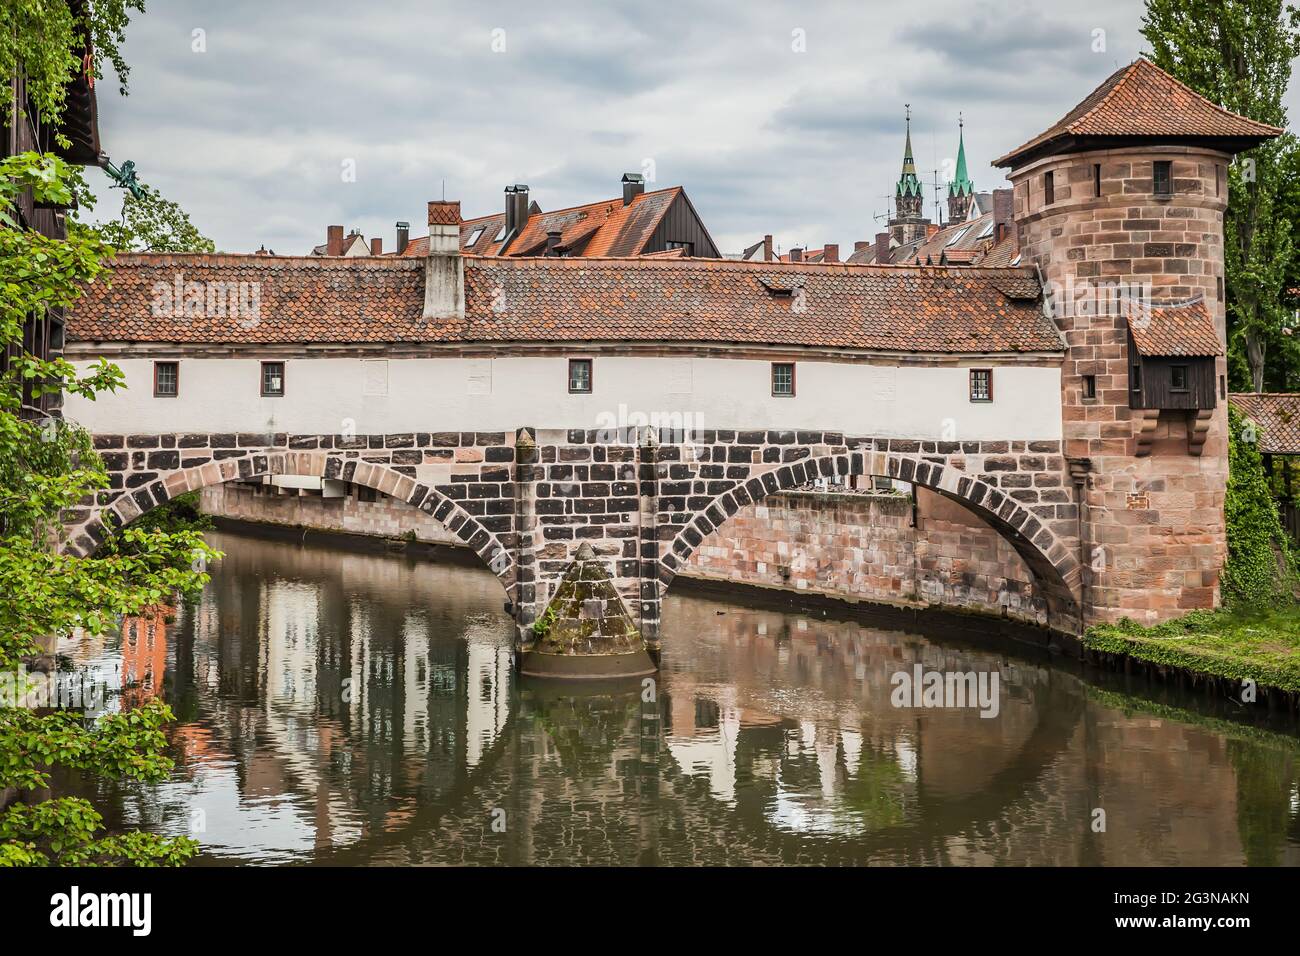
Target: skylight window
[(957, 238), (988, 231), (475, 235), (1016, 261)]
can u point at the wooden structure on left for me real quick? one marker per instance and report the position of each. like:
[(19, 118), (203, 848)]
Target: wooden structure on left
[(22, 132)]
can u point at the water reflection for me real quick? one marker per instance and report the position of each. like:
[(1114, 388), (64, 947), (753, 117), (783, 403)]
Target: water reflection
[(349, 708)]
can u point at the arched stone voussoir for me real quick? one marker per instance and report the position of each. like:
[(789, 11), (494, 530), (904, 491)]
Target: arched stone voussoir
[(1051, 561), (84, 538)]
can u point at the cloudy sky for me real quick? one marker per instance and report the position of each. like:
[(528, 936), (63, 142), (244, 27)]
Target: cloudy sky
[(269, 120)]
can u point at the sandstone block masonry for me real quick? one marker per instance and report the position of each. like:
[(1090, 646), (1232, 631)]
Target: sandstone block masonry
[(860, 547), (354, 513), (1153, 508), (526, 501), (884, 547)]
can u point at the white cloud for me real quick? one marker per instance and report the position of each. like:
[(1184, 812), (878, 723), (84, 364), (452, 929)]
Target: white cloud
[(249, 136)]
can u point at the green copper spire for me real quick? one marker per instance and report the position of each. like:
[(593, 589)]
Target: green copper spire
[(908, 184), (961, 184)]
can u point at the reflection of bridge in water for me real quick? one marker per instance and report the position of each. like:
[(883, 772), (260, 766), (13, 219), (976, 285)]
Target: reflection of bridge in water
[(351, 709)]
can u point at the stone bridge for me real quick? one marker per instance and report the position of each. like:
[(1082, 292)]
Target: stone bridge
[(525, 501)]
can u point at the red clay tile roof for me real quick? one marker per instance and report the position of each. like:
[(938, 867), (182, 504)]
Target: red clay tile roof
[(581, 300), (1184, 328), (1278, 416), (1143, 101), (606, 228)]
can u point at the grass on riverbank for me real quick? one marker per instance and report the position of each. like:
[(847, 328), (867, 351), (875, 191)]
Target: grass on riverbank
[(1262, 645)]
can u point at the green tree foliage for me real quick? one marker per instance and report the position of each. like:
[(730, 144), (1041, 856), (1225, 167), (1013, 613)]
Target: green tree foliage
[(46, 467), (1238, 54), (42, 39), (1260, 570), (152, 224)]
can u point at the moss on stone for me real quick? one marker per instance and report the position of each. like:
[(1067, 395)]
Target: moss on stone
[(586, 616)]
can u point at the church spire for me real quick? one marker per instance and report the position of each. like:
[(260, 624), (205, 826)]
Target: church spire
[(909, 164), (908, 185), (961, 184), (960, 190)]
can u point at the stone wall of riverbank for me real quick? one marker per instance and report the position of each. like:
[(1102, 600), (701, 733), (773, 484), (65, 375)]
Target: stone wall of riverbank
[(870, 547), (360, 511)]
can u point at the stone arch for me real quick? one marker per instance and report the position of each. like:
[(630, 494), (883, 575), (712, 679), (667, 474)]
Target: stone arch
[(1055, 568), (85, 538)]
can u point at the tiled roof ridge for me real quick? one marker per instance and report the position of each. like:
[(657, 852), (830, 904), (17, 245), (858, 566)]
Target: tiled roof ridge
[(1113, 85), (1128, 73), (1131, 71), (603, 202), (563, 262), (1276, 130), (256, 258)]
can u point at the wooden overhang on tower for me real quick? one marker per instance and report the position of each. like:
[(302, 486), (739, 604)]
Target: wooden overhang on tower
[(1172, 351)]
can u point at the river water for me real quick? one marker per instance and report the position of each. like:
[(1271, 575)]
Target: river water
[(338, 707)]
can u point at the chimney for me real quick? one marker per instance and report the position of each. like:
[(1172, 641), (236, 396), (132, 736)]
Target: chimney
[(633, 186), (882, 248), (444, 269), (796, 255), (516, 214), (831, 253), (931, 230), (334, 241), (767, 248), (1004, 214), (377, 246), (859, 245), (403, 236), (521, 206), (553, 242)]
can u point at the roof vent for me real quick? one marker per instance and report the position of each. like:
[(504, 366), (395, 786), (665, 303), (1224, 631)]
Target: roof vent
[(781, 284)]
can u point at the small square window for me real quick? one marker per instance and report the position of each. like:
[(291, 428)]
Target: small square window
[(981, 385), (1049, 188), (783, 379), (166, 379), (580, 376), (1178, 378), (272, 379), (1090, 386), (1162, 177)]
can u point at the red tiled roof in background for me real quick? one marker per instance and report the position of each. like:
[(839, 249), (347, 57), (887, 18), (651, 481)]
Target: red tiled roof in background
[(1182, 329), (1143, 101), (970, 242), (310, 300), (1277, 414), (606, 228)]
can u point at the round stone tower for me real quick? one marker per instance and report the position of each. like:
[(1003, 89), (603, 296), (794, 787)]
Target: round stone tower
[(1120, 207)]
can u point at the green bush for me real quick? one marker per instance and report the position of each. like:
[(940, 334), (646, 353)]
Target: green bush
[(1260, 570)]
